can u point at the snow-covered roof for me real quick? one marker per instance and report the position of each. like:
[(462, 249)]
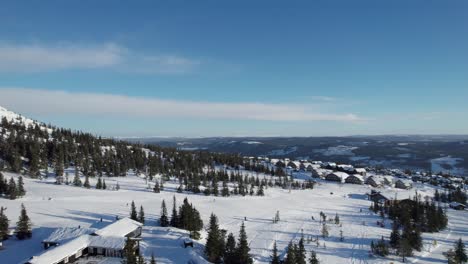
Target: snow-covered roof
[(57, 254), (65, 234), (358, 176), (119, 228), (345, 167), (107, 242), (341, 175), (377, 179), (405, 182)]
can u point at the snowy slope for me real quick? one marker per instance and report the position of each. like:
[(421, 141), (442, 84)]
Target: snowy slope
[(12, 116), (19, 119), (51, 206)]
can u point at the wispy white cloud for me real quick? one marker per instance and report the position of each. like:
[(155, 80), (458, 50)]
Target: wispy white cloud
[(95, 104), (323, 98), (41, 58)]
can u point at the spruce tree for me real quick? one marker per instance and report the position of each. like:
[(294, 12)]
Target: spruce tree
[(129, 255), (12, 190), (214, 243), (405, 249), (104, 186), (174, 215), (133, 212), (260, 191), (3, 224), (243, 249), (3, 185), (337, 219), (156, 188), (164, 220), (395, 235), (274, 256), (225, 190), (76, 180), (290, 254), (86, 183), (313, 258), (230, 251), (141, 215), (301, 252), (324, 230), (20, 189), (99, 184), (460, 253), (23, 226)]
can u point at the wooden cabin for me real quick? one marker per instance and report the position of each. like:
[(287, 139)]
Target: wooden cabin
[(337, 176), (354, 179)]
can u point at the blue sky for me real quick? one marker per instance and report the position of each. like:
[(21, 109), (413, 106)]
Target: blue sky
[(255, 68)]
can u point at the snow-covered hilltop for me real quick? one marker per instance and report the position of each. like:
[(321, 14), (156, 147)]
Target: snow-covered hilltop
[(14, 117)]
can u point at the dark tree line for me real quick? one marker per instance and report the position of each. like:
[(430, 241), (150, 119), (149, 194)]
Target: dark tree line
[(11, 189), (34, 148), (457, 195), (410, 218), (295, 254), (187, 217)]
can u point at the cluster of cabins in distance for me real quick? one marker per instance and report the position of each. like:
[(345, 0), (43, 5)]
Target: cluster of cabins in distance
[(330, 171), (68, 245), (349, 174)]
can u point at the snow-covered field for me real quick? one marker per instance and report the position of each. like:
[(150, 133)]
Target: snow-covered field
[(51, 206)]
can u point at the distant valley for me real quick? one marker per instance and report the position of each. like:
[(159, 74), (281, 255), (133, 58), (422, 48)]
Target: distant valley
[(439, 153)]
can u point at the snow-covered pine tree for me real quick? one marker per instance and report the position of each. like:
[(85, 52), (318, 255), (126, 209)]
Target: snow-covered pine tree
[(156, 188), (99, 184), (260, 191), (20, 188), (133, 212), (129, 254), (214, 247), (459, 256), (324, 230), (313, 258), (3, 224), (23, 226), (290, 254), (337, 219), (76, 180), (174, 216), (164, 219), (141, 215), (274, 255), (230, 251), (86, 183), (301, 252), (243, 249), (12, 190)]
